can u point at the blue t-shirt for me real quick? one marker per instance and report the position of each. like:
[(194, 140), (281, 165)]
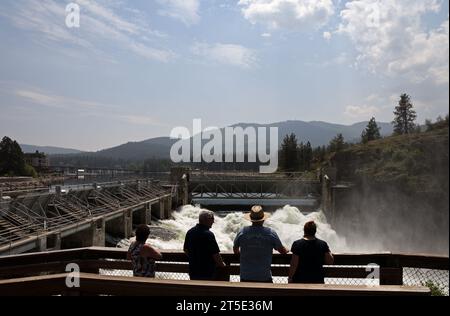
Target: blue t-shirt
[(257, 244)]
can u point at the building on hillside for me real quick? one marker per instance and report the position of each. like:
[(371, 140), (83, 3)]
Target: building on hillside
[(37, 160)]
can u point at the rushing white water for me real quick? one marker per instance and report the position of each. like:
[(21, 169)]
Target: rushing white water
[(288, 222)]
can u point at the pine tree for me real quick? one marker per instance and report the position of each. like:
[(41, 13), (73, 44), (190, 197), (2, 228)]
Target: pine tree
[(372, 132), (289, 157), (307, 156), (301, 156), (405, 116), (337, 144)]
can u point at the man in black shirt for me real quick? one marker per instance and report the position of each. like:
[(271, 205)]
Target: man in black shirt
[(201, 247), (309, 255)]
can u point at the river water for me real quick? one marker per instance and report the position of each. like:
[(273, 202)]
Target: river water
[(287, 221)]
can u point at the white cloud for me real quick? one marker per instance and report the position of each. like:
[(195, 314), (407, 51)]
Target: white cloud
[(186, 11), (374, 97), (266, 35), (327, 35), (298, 15), (363, 112), (229, 54), (82, 107), (391, 38), (152, 53), (109, 16), (55, 101), (99, 24)]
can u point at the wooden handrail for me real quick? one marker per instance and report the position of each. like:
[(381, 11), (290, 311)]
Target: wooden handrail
[(96, 265), (91, 284), (388, 260), (93, 259)]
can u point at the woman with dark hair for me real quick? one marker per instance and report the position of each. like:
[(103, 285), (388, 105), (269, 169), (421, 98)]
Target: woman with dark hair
[(142, 255), (309, 255)]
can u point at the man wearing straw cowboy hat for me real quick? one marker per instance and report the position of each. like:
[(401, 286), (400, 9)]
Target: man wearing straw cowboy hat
[(255, 244)]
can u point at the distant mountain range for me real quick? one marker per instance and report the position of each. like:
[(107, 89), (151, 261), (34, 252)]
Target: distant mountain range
[(318, 133), (49, 150)]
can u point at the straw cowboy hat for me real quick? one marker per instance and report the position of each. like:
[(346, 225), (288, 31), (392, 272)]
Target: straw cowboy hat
[(256, 214)]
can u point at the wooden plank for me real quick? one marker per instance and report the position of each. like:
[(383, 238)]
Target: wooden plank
[(95, 265), (34, 286), (95, 285), (423, 261)]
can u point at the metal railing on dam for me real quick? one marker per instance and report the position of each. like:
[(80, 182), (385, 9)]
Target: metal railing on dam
[(248, 185), (45, 221), (106, 271)]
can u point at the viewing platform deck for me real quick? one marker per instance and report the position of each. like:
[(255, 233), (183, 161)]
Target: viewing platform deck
[(105, 271)]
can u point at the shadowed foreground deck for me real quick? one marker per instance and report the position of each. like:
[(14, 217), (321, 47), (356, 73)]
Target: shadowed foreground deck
[(91, 284)]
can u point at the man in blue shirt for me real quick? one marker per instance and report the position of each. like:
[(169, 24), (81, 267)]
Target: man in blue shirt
[(255, 244)]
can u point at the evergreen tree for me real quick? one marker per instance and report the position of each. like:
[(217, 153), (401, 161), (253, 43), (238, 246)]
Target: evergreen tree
[(12, 161), (301, 156), (405, 116), (289, 153), (322, 153), (307, 156), (337, 144), (372, 132)]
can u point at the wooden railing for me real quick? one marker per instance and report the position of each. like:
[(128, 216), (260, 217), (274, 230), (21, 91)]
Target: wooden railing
[(93, 259), (92, 284), (45, 274)]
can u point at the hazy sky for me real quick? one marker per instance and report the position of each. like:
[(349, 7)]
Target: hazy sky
[(136, 69)]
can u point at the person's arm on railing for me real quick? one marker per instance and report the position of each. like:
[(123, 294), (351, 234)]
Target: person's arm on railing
[(329, 259), (293, 267), (151, 252), (219, 261), (282, 250)]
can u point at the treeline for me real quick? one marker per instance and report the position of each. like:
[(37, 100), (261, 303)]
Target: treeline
[(147, 165), (89, 161), (295, 157)]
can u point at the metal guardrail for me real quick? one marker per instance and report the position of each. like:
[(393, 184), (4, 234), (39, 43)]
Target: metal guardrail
[(236, 176)]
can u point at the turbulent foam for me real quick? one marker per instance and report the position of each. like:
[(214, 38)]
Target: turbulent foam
[(288, 222)]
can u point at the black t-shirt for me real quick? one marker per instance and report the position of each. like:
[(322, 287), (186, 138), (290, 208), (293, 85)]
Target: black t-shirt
[(201, 245), (311, 260)]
